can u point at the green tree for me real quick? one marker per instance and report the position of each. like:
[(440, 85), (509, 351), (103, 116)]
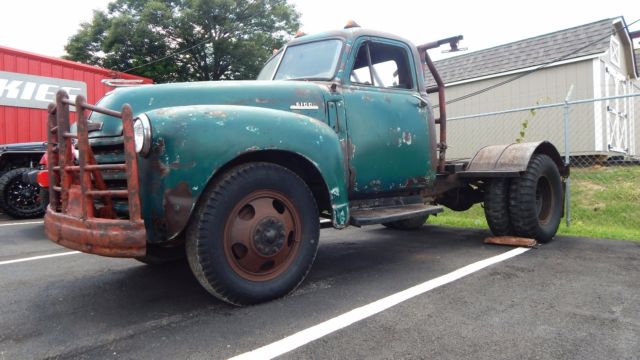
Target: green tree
[(182, 40)]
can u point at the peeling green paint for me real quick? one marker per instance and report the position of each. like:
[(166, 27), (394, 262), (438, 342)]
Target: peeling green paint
[(363, 140), (278, 95), (211, 147)]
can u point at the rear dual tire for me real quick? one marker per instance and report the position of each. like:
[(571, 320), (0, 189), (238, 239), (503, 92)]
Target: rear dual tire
[(496, 207), (528, 206)]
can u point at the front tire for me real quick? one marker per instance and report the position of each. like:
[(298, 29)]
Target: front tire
[(535, 200), (19, 199), (254, 235)]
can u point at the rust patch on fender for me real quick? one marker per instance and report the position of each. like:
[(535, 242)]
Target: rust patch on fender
[(177, 203), (159, 222), (155, 161), (177, 165)]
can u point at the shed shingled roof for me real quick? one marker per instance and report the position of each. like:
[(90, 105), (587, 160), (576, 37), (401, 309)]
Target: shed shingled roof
[(528, 52)]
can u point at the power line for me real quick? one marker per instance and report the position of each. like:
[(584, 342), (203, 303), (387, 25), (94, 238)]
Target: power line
[(168, 56), (478, 92), (514, 78)]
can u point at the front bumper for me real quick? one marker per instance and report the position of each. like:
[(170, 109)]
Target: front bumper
[(106, 237), (82, 213)]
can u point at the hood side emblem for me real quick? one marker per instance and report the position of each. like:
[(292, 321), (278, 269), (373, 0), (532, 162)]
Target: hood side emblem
[(304, 106)]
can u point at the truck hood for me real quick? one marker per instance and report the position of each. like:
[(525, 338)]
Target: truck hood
[(296, 96)]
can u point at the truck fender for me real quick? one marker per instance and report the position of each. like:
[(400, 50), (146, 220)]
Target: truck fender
[(191, 145), (511, 160)]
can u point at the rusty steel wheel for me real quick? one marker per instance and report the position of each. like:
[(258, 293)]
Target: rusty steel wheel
[(254, 234), (262, 235)]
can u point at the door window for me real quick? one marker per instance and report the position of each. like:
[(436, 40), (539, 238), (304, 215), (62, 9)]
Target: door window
[(382, 65)]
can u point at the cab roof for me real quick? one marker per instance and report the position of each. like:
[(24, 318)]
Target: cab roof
[(347, 34)]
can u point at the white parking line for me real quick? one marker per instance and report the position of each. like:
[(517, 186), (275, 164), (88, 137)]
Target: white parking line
[(315, 332), (37, 257), (22, 223)]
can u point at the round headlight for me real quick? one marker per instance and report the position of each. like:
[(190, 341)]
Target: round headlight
[(142, 134)]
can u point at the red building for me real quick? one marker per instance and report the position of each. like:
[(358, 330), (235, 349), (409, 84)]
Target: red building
[(28, 82)]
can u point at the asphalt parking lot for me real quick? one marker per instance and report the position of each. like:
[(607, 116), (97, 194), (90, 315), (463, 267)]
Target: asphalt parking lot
[(572, 299)]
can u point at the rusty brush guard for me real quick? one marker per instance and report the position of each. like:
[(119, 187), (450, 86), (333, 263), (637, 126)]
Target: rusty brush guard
[(81, 213)]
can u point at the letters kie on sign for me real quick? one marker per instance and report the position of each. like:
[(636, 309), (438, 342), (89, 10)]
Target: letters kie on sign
[(35, 92)]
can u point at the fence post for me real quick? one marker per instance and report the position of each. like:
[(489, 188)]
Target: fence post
[(567, 159)]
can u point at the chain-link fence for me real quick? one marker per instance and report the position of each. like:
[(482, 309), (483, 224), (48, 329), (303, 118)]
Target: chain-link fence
[(599, 138)]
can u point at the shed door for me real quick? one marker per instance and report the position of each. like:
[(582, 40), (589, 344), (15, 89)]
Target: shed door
[(617, 112)]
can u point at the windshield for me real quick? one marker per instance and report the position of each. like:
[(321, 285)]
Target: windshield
[(267, 71), (316, 60)]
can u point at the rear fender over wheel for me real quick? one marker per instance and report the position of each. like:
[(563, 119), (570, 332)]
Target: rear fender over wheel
[(254, 234)]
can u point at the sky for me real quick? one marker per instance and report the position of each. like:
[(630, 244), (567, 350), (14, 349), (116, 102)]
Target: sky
[(44, 26)]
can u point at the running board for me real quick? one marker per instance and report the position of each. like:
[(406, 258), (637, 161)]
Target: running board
[(379, 215)]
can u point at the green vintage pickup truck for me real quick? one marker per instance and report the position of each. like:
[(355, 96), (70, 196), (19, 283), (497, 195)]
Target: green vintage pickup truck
[(238, 176)]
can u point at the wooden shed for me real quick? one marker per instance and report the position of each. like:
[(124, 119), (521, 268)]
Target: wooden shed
[(597, 59)]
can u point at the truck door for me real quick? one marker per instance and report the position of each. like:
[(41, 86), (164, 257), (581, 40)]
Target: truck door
[(386, 123)]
